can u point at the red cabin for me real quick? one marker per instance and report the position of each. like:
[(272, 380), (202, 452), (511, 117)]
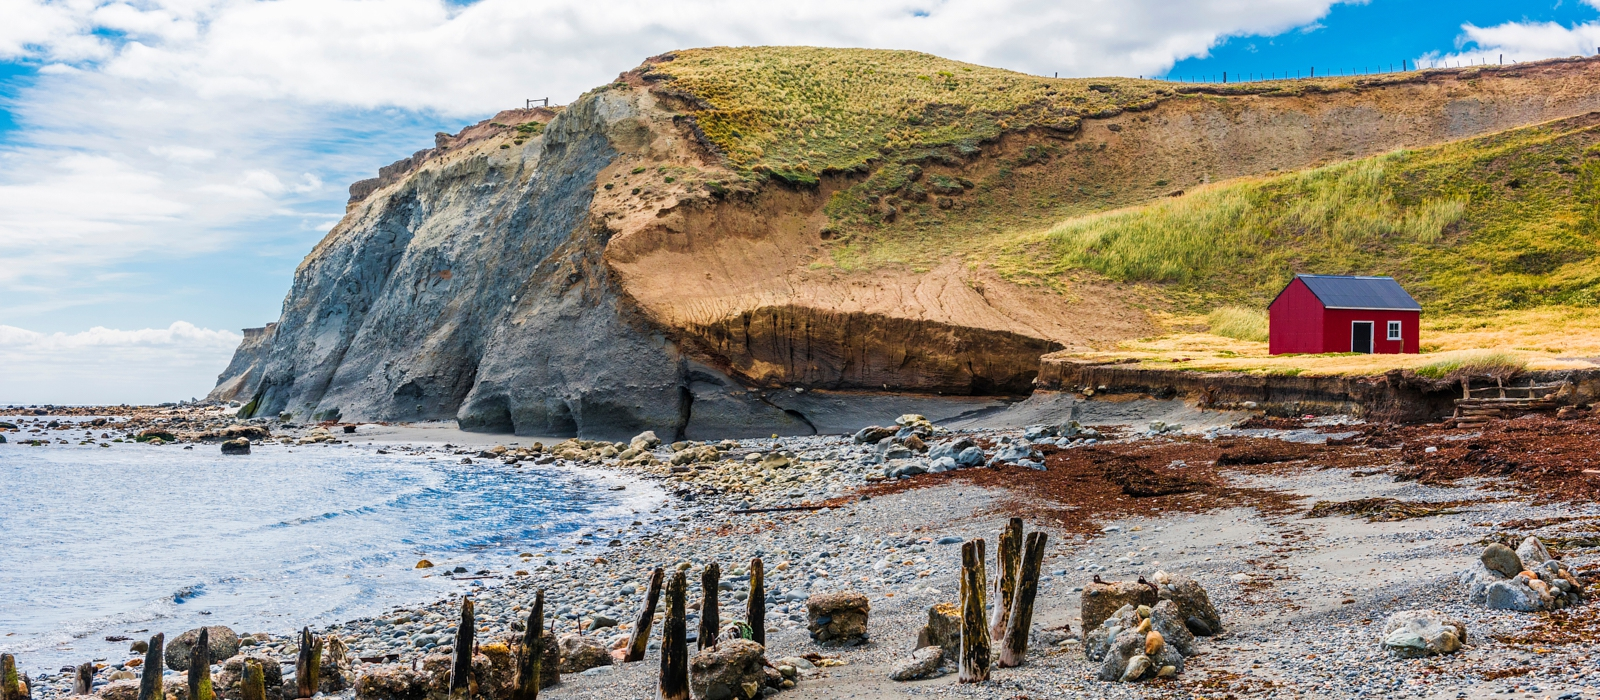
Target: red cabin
[(1328, 313)]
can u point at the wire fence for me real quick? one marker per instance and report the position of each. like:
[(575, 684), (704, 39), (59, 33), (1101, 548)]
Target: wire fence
[(1405, 65)]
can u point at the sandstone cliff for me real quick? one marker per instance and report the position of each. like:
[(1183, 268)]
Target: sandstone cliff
[(685, 248)]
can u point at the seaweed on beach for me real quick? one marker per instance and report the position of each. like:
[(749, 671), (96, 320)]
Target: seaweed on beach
[(1143, 482), (1383, 510)]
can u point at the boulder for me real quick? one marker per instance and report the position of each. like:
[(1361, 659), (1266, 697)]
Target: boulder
[(223, 643), (126, 689), (1413, 633), (248, 432), (1512, 594), (1120, 654), (1097, 641), (580, 653), (392, 682), (227, 680), (1477, 579), (496, 670), (838, 618), (1532, 552), (871, 434), (646, 440), (1167, 619), (943, 629), (1194, 606), (731, 669), (1101, 598), (923, 663), (1500, 558), (239, 446), (970, 457)]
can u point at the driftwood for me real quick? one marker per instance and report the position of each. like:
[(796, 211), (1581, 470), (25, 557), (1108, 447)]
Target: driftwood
[(150, 686), (308, 664), (974, 661), (755, 613), (461, 685), (1006, 560), (641, 629), (674, 683), (10, 683), (1014, 648), (710, 616), (200, 668), (83, 679), (253, 682), (526, 686)]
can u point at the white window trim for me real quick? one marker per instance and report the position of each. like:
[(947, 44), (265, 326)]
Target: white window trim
[(1394, 329)]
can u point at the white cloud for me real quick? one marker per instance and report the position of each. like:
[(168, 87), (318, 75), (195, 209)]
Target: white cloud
[(1519, 41), (106, 366)]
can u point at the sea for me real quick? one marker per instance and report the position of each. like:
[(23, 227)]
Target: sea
[(98, 544)]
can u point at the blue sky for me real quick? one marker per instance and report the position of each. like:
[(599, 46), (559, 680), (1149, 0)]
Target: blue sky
[(165, 164)]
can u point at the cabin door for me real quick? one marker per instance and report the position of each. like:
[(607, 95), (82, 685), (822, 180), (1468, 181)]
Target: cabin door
[(1361, 336)]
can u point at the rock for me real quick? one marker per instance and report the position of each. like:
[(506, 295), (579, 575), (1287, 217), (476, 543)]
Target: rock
[(1501, 559), (871, 434), (223, 642), (1477, 579), (943, 629), (1038, 432), (139, 647), (906, 468), (837, 619), (970, 457), (239, 446), (390, 683), (923, 663), (249, 432), (227, 681), (1167, 657), (1168, 620), (1192, 602), (1015, 451), (580, 653), (731, 669), (334, 675), (1512, 594), (1124, 647), (1413, 633), (646, 440), (1137, 667), (496, 670), (942, 464), (600, 622), (176, 688), (424, 564), (1532, 552), (1101, 599), (1097, 641), (124, 689)]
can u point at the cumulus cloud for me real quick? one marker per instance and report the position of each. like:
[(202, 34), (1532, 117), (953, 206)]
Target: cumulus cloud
[(106, 366), (1520, 41)]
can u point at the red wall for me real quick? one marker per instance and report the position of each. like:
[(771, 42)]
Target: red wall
[(1300, 324), (1296, 321)]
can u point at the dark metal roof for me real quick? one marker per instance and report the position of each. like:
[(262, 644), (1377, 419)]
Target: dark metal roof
[(1338, 292)]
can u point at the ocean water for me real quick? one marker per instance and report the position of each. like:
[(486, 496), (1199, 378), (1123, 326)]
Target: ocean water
[(136, 539)]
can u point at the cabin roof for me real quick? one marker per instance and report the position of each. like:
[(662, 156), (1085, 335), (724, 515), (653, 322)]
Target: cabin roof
[(1342, 292)]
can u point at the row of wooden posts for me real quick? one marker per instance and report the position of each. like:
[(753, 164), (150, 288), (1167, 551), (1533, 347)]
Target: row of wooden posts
[(1010, 621)]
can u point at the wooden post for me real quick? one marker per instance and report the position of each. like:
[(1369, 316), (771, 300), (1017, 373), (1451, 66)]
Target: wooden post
[(461, 667), (150, 687), (1014, 648), (83, 679), (974, 662), (308, 664), (200, 668), (10, 683), (253, 683), (1006, 560), (641, 629), (710, 616), (530, 653), (755, 613), (674, 643)]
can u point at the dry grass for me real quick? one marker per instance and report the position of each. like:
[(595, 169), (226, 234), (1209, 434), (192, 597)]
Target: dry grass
[(1238, 323)]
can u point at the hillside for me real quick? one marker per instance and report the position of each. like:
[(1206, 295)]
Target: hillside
[(681, 248)]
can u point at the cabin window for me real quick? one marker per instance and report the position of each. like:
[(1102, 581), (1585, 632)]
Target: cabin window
[(1394, 330)]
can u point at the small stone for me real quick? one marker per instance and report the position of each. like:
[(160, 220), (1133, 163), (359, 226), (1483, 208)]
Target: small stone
[(424, 564), (1137, 667)]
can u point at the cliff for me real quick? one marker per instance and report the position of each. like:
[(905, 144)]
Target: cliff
[(683, 249)]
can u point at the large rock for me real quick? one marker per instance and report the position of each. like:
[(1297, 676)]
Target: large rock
[(238, 446), (838, 619), (1127, 645), (227, 680), (390, 683), (1168, 619), (1512, 594), (580, 653), (126, 689), (1501, 559), (923, 663), (1097, 641), (1101, 599), (1194, 606), (1477, 578), (871, 434), (731, 669), (223, 643), (1413, 633), (943, 629), (1532, 552)]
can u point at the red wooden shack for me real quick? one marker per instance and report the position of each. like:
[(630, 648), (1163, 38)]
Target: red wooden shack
[(1329, 313)]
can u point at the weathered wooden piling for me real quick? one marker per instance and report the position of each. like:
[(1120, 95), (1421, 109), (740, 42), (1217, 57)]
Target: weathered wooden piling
[(461, 667), (710, 616), (1014, 648), (200, 668), (1007, 560), (974, 661), (674, 683), (526, 686), (83, 679), (755, 613), (253, 682), (641, 629), (307, 664), (10, 682), (150, 686)]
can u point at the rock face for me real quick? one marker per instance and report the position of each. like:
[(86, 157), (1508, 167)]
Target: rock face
[(731, 669), (223, 642), (1101, 599), (1413, 633), (838, 619)]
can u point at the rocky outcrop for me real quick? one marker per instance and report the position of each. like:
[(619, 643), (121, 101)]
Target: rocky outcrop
[(239, 381)]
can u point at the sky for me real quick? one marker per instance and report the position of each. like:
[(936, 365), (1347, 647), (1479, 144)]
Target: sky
[(165, 164)]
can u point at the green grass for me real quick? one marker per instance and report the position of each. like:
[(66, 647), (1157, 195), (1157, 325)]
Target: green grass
[(1235, 322), (1484, 363), (1505, 221)]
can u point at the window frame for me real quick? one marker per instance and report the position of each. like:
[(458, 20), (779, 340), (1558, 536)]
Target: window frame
[(1394, 330)]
